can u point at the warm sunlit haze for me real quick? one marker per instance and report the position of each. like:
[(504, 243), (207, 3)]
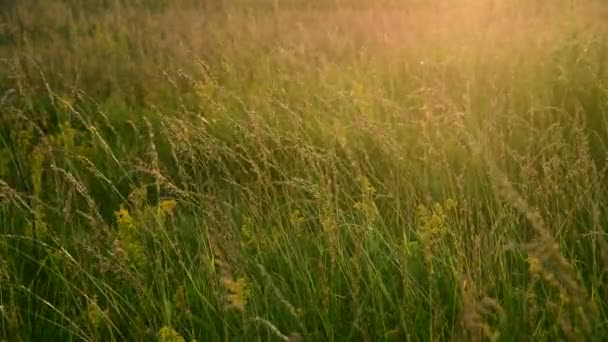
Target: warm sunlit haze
[(291, 170)]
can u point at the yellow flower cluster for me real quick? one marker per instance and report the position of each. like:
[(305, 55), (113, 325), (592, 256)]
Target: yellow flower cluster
[(128, 240)]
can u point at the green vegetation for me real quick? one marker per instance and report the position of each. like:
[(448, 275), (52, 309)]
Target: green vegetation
[(303, 170)]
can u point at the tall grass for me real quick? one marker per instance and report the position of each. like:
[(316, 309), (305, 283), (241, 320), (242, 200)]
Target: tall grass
[(290, 170)]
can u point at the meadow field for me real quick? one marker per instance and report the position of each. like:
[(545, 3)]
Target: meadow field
[(291, 170)]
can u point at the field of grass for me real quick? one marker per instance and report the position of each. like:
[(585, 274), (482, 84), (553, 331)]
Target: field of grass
[(328, 170)]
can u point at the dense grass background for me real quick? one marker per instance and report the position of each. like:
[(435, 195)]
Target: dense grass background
[(303, 170)]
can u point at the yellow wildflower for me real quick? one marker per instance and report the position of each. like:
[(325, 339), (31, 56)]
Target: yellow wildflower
[(168, 334), (237, 292), (94, 314), (167, 206), (128, 240)]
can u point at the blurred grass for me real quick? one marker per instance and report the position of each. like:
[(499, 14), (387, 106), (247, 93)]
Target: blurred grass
[(330, 170)]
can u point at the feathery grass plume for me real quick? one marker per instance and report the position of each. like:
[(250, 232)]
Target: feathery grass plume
[(182, 304), (294, 337), (236, 290), (185, 178), (163, 182), (96, 219), (138, 197), (7, 318), (303, 135), (4, 193), (324, 283), (11, 195), (367, 205), (296, 313), (332, 234), (70, 133), (475, 313), (547, 260), (153, 153)]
